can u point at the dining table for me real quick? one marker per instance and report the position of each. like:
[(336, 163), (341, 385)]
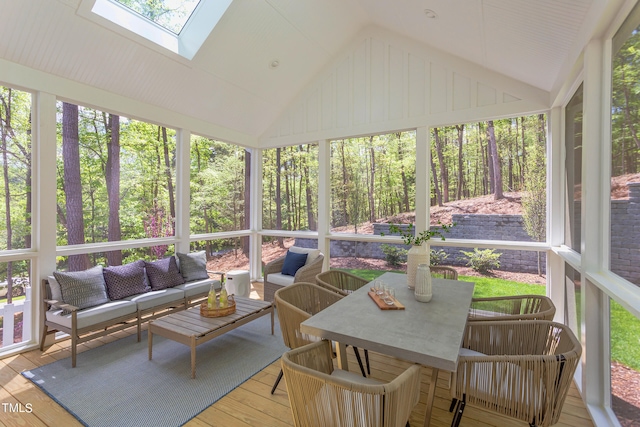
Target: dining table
[(428, 333)]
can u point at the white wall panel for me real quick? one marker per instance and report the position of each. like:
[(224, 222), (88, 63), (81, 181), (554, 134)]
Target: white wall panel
[(326, 102), (384, 82), (397, 87), (313, 111), (377, 88), (416, 87), (360, 108), (342, 94), (438, 85), (461, 92)]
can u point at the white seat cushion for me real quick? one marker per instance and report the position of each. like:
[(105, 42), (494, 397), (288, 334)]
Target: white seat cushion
[(94, 315), (197, 287), (280, 279), (156, 298), (353, 377)]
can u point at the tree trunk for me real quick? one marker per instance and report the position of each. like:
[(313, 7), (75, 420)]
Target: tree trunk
[(436, 185), (311, 219), (279, 194), (372, 181), (167, 171), (460, 129), (73, 184), (246, 243), (443, 169), (403, 175), (112, 178), (495, 161), (345, 183)]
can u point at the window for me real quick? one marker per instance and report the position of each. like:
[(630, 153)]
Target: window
[(219, 186), (372, 180), (573, 168), (15, 214), (15, 178), (116, 180), (290, 188), (179, 26)]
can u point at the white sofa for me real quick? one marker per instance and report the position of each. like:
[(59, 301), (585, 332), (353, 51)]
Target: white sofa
[(125, 303)]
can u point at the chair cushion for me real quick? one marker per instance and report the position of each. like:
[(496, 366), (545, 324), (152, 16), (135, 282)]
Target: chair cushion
[(198, 287), (82, 288), (94, 315), (292, 263), (312, 254), (280, 279), (54, 286), (163, 273), (125, 280), (192, 266), (156, 298)]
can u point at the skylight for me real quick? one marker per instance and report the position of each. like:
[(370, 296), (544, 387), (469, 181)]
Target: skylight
[(180, 26), (169, 14)]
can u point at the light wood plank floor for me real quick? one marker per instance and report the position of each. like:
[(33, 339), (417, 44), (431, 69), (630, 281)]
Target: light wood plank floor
[(251, 404)]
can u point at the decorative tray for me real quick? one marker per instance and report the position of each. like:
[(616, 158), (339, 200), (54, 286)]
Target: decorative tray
[(396, 305), (205, 311)]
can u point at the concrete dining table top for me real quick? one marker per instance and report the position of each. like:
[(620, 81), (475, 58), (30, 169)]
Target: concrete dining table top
[(426, 333)]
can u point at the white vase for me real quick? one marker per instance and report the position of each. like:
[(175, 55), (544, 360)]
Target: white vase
[(418, 254), (423, 291)]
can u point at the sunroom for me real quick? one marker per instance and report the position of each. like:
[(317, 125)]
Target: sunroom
[(264, 124)]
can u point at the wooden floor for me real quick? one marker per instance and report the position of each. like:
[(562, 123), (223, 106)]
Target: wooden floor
[(251, 404)]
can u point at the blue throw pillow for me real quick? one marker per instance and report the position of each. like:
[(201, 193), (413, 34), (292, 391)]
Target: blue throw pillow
[(293, 262)]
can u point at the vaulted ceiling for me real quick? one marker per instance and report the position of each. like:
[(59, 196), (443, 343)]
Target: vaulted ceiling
[(230, 81)]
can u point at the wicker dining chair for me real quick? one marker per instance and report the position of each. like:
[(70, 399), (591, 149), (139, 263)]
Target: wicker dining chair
[(344, 283), (445, 272), (295, 304), (520, 369), (320, 395), (515, 307)]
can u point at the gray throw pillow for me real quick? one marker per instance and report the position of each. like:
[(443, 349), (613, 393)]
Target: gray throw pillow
[(125, 280), (163, 273), (82, 288), (193, 266)]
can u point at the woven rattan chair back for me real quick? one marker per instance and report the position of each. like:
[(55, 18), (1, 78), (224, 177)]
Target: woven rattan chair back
[(319, 399), (444, 272), (340, 281), (523, 369), (517, 307)]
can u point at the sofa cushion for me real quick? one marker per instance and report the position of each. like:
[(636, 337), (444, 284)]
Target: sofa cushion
[(292, 263), (192, 266), (163, 273), (280, 279), (94, 315), (198, 287), (125, 280), (312, 254), (82, 288), (157, 298), (54, 287)]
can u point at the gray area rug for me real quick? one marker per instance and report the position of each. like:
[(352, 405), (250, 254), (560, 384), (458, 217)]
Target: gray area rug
[(116, 385)]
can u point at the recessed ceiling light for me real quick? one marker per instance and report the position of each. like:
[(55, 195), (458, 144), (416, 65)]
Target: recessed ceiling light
[(430, 14), (274, 64)]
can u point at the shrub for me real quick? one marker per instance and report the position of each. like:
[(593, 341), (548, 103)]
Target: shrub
[(394, 255), (482, 261), (437, 257)]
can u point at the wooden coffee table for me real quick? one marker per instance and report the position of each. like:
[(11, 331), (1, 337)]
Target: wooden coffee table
[(190, 328)]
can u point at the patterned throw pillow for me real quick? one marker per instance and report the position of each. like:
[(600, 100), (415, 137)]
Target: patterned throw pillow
[(125, 280), (163, 273), (193, 266), (82, 288)]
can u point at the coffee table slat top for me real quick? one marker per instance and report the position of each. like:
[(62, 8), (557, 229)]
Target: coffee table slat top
[(191, 323)]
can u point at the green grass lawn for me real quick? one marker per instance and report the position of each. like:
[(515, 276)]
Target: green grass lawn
[(625, 327)]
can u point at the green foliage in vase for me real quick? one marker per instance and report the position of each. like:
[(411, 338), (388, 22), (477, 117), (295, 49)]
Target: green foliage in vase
[(410, 238)]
